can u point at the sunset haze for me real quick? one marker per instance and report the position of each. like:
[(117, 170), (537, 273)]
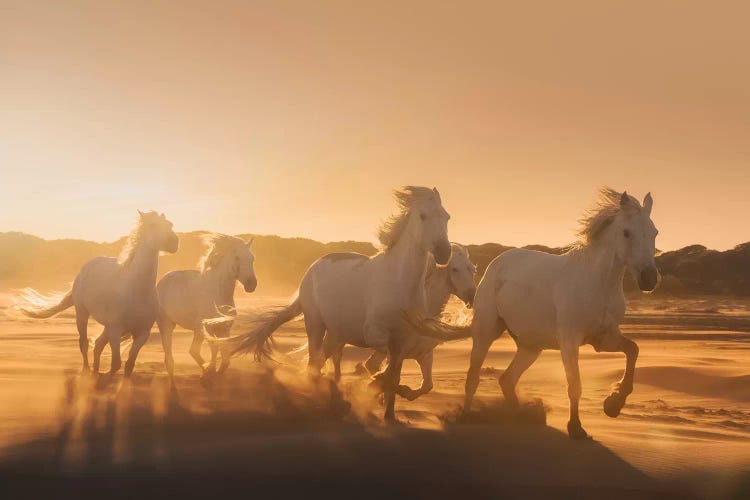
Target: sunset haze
[(297, 118)]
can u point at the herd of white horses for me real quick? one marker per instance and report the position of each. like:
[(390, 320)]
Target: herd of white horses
[(391, 302)]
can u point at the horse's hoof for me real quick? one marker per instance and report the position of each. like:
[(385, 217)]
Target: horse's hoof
[(613, 405), (575, 431), (407, 392)]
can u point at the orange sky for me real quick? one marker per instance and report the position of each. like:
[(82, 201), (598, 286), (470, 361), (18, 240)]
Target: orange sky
[(297, 118)]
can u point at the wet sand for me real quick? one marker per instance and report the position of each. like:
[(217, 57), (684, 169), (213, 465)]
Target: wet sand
[(271, 431)]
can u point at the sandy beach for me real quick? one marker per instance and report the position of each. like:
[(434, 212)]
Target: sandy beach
[(685, 430)]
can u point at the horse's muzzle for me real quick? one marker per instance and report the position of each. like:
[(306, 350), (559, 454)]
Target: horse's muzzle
[(172, 244), (468, 297), (442, 252), (250, 285), (648, 279)]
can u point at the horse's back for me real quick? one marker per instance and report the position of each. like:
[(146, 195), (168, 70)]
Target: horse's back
[(523, 283), (335, 287), (97, 278), (102, 287)]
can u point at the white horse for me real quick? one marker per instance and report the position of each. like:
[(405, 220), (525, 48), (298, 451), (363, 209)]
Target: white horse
[(189, 297), (454, 278), (119, 293), (359, 299), (564, 301)]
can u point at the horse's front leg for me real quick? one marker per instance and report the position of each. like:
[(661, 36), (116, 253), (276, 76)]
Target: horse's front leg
[(622, 389), (392, 376), (425, 365), (115, 337), (569, 354)]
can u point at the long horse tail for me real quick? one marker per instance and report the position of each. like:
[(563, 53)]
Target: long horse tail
[(258, 339), (33, 304), (436, 329)]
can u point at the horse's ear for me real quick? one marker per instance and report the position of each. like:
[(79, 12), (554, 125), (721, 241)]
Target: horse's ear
[(250, 242), (140, 214), (624, 199), (648, 203), (163, 216), (434, 190)]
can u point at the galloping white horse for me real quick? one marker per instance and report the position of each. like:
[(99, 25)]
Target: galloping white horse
[(119, 293), (359, 299), (455, 278), (188, 297), (564, 301)]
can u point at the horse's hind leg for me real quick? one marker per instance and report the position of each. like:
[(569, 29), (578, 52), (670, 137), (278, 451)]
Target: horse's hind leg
[(226, 358), (316, 331), (214, 356), (139, 338), (335, 351), (524, 358), (487, 327), (115, 337), (99, 344), (195, 348), (166, 327), (82, 323)]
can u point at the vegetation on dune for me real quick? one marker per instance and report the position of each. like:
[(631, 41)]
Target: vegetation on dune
[(27, 260)]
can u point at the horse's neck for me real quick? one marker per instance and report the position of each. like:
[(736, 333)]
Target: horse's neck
[(142, 269), (603, 269), (438, 288), (220, 281), (408, 261)]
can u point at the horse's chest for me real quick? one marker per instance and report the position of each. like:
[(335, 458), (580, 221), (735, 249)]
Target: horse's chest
[(601, 317)]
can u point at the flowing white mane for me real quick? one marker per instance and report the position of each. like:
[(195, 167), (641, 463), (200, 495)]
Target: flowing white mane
[(390, 230), (219, 246), (599, 217), (136, 237)]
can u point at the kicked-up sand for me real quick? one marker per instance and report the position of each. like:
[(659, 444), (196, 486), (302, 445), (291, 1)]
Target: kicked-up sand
[(271, 431)]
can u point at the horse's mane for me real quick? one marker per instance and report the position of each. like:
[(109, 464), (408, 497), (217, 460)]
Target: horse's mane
[(600, 216), (135, 237), (390, 230), (219, 246)]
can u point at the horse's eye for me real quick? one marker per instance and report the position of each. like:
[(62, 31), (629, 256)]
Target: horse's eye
[(626, 233), (455, 269), (422, 216)]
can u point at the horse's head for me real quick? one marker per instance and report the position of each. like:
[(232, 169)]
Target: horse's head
[(461, 273), (157, 230), (243, 260), (635, 234), (434, 224)]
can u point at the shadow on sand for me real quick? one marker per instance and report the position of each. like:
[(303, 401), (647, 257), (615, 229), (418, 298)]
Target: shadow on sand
[(265, 434)]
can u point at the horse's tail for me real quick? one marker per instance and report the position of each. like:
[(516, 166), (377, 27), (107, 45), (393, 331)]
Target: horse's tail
[(258, 339), (436, 329), (33, 304)]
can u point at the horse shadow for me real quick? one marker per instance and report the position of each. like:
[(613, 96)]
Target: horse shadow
[(144, 435)]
